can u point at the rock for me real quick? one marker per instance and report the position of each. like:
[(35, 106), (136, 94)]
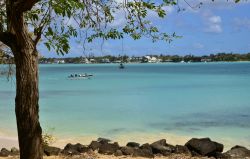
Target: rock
[(4, 152), (127, 150), (81, 148), (146, 146), (161, 147), (76, 149), (204, 146), (118, 153), (94, 145), (108, 148), (179, 149), (143, 153), (238, 152), (14, 151), (220, 155), (103, 140), (133, 144), (51, 151)]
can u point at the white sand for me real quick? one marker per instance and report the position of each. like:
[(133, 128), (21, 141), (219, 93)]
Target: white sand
[(140, 137)]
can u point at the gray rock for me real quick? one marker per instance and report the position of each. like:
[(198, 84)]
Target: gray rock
[(143, 153), (14, 151), (204, 146), (4, 152), (238, 152), (103, 140), (179, 149), (108, 148), (146, 146), (161, 147), (133, 144), (127, 150), (51, 151), (76, 149), (118, 153), (94, 145), (219, 155)]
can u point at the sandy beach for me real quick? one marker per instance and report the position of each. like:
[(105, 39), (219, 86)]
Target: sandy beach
[(98, 156), (12, 141)]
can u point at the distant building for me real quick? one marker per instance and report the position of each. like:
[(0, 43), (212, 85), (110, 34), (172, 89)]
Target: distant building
[(206, 60), (59, 61), (92, 60), (152, 59), (106, 60)]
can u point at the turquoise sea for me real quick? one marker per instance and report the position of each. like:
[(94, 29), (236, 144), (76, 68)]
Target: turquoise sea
[(196, 99)]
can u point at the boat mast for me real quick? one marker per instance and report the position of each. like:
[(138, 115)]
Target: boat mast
[(122, 50)]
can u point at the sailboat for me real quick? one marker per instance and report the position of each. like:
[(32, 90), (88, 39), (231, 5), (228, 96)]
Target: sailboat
[(121, 66)]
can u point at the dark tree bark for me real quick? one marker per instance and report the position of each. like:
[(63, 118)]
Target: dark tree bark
[(27, 92), (29, 130)]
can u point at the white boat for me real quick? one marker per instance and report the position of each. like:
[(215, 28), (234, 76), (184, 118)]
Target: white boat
[(80, 76)]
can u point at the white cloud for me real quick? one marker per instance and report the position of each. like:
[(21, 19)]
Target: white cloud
[(215, 19), (213, 23)]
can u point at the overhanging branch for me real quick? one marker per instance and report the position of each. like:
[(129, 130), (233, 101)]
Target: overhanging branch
[(25, 5)]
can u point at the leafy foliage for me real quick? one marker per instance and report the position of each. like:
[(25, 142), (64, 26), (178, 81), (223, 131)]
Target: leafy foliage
[(58, 21)]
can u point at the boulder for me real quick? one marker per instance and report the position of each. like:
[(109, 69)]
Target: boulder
[(108, 148), (133, 144), (179, 149), (4, 152), (204, 147), (94, 145), (118, 153), (51, 151), (103, 140), (14, 151), (127, 150), (146, 146), (220, 155), (76, 149), (143, 153), (238, 152), (161, 147)]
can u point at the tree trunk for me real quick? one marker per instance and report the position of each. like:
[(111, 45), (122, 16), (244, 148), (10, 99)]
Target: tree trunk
[(27, 93), (27, 108)]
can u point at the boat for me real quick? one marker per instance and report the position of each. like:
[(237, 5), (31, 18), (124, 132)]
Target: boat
[(80, 76), (121, 66)]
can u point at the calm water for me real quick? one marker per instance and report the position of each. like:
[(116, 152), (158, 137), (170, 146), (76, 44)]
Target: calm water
[(206, 99)]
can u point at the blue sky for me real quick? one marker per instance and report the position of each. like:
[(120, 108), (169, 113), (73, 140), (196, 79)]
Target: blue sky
[(219, 26)]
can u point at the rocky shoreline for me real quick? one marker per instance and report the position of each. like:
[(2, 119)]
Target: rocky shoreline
[(199, 148)]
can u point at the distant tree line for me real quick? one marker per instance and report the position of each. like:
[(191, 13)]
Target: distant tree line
[(228, 57)]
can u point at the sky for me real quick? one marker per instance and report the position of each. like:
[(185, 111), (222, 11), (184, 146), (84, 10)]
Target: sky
[(220, 26)]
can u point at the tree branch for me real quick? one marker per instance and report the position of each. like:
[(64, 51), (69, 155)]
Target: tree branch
[(24, 5)]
